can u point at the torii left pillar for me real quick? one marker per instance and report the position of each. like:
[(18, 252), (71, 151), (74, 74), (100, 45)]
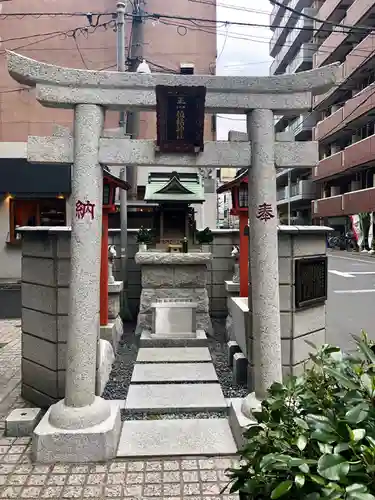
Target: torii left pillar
[(82, 427)]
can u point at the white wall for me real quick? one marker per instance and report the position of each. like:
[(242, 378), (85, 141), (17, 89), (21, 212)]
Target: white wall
[(10, 256)]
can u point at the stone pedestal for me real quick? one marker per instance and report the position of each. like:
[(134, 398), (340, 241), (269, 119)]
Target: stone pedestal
[(173, 276), (233, 290), (112, 332)]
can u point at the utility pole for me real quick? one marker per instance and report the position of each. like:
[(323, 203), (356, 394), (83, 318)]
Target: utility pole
[(125, 313), (135, 57)]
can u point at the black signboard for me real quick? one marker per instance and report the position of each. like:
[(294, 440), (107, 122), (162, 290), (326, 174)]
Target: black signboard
[(180, 119), (311, 281)]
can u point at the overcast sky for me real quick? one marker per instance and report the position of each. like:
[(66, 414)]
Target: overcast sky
[(241, 50)]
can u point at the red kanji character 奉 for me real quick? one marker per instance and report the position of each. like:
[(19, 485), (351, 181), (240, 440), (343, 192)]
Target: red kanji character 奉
[(265, 212)]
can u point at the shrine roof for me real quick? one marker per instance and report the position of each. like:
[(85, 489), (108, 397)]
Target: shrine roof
[(115, 180), (240, 177), (175, 186)]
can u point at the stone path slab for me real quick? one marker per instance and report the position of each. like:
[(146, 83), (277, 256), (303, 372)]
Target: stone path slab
[(175, 398), (173, 355), (149, 340), (174, 438), (173, 372)]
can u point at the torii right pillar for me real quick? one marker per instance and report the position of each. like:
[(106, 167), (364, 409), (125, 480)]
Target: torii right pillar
[(263, 259)]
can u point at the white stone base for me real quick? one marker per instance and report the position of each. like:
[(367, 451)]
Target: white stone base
[(93, 444), (105, 362), (238, 422), (112, 332)]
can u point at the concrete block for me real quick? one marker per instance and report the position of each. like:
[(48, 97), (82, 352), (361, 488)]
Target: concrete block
[(38, 297), (309, 320), (62, 327), (232, 287), (218, 291), (174, 398), (39, 324), (63, 301), (286, 297), (149, 340), (173, 355), (94, 444), (241, 322), (285, 245), (36, 397), (286, 271), (301, 349), (176, 438), (286, 324), (22, 421), (173, 372), (309, 245), (232, 347), (238, 422), (35, 246), (114, 305), (40, 351), (39, 271), (63, 272), (63, 246), (41, 378), (222, 264), (239, 368)]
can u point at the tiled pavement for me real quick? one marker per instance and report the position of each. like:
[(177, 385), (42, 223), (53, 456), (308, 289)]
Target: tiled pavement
[(189, 479)]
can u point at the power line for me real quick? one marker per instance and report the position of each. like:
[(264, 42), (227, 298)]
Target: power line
[(38, 15)]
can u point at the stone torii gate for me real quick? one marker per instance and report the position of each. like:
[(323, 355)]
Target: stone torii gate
[(84, 427)]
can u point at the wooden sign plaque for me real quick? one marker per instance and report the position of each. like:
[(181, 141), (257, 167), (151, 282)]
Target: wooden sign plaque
[(180, 119)]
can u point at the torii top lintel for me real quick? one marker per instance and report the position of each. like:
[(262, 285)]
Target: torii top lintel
[(116, 90)]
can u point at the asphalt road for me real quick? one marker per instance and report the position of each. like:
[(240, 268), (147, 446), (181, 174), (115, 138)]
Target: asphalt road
[(351, 297)]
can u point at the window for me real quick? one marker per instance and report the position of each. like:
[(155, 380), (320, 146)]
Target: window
[(39, 212)]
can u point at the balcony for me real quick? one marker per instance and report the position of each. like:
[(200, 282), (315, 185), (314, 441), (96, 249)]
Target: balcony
[(303, 190), (330, 166), (332, 123), (302, 126), (356, 155), (360, 153), (327, 207), (277, 14), (303, 60), (300, 34), (357, 62), (350, 203), (356, 14), (332, 11), (286, 24)]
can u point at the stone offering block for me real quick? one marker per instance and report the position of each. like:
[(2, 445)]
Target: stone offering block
[(22, 421), (174, 316)]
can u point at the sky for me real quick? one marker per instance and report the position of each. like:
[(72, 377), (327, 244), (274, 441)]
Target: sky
[(241, 50)]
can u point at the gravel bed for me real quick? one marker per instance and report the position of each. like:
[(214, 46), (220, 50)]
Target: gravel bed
[(128, 415), (118, 384)]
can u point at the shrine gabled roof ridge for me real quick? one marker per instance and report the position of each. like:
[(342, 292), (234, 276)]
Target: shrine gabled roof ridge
[(240, 177), (31, 72), (174, 182)]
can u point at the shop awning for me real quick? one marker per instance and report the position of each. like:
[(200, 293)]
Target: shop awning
[(19, 177)]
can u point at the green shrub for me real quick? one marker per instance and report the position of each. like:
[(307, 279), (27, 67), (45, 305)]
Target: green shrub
[(205, 237), (315, 436), (144, 235)]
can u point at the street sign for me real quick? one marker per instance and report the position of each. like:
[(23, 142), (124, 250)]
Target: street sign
[(180, 119), (310, 281)]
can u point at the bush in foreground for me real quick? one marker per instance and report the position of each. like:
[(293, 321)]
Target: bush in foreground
[(315, 436)]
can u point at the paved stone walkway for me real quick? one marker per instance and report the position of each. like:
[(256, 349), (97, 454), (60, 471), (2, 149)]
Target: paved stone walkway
[(189, 479)]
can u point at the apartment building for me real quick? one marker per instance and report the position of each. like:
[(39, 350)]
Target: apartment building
[(292, 47), (345, 174), (35, 193)]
